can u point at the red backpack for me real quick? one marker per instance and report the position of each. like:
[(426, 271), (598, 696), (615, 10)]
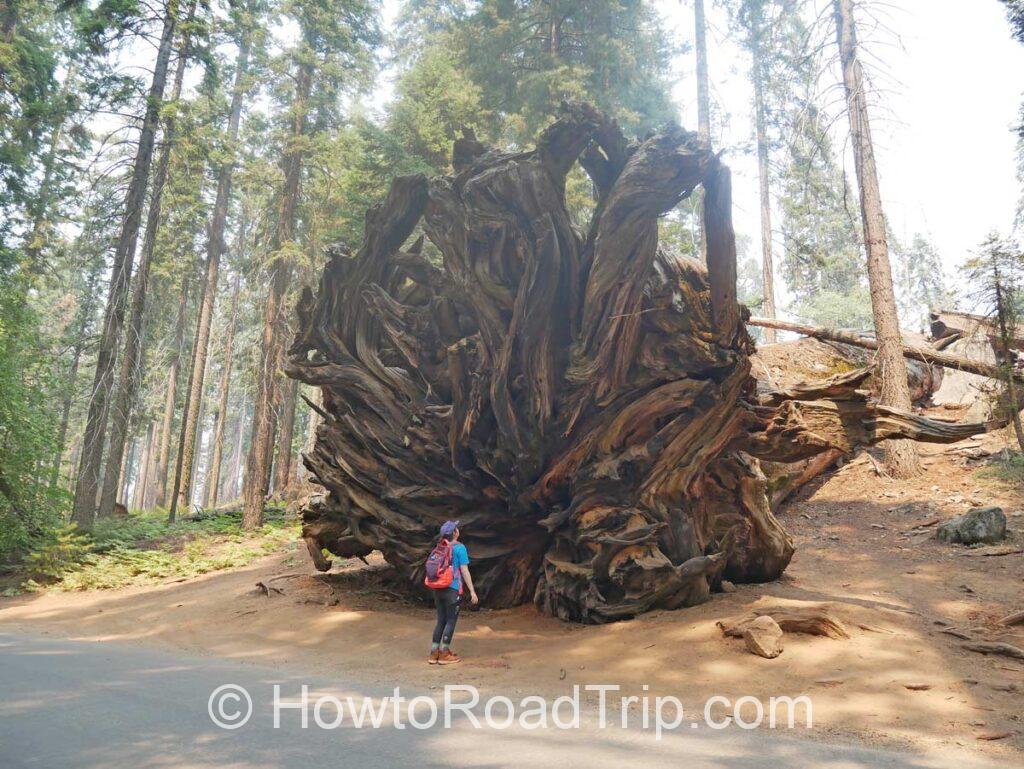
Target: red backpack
[(438, 571)]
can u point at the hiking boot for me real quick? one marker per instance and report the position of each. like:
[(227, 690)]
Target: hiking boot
[(434, 657), (448, 657)]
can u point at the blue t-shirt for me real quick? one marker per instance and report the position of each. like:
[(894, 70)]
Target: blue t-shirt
[(460, 558)]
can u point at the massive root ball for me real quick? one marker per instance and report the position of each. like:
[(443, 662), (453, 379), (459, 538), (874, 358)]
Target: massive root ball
[(581, 401)]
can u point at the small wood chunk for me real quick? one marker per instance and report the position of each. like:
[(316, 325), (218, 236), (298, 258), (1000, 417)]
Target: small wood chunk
[(763, 637)]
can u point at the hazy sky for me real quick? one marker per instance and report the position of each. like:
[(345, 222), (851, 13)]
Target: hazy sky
[(951, 80)]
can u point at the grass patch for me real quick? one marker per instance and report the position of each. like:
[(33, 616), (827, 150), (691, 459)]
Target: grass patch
[(146, 549), (1007, 466)]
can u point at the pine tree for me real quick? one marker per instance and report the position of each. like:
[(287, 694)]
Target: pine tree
[(333, 56), (901, 457), (997, 276), (87, 483)]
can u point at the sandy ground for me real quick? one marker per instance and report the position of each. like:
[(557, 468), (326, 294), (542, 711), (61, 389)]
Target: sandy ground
[(897, 592)]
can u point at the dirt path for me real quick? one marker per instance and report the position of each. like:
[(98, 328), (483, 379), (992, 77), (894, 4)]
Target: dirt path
[(896, 592)]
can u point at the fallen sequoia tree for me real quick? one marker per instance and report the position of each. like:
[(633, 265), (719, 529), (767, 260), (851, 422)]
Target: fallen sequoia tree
[(581, 401)]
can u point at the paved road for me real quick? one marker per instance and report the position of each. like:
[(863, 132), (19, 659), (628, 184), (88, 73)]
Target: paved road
[(80, 705)]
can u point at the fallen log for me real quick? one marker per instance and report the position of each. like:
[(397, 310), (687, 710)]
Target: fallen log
[(915, 352), (580, 399)]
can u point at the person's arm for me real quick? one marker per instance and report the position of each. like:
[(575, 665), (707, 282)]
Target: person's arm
[(468, 580)]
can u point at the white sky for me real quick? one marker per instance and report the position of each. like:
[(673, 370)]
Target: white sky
[(951, 81)]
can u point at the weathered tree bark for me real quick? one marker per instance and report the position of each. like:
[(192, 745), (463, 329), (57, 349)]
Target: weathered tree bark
[(582, 402), (213, 478), (214, 249), (285, 436), (703, 100), (133, 356), (901, 459), (170, 397), (84, 510), (261, 448), (758, 75)]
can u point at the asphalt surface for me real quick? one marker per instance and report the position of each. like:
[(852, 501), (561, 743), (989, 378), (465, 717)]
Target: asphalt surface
[(75, 704)]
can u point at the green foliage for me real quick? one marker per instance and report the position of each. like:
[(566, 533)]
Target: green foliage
[(920, 285), (996, 275), (434, 100), (822, 260), (146, 549), (61, 551), (1007, 466), (28, 506)]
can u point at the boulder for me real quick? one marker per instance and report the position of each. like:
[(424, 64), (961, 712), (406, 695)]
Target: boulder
[(977, 525), (763, 637)]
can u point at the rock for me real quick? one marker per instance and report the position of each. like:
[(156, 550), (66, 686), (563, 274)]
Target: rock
[(728, 587), (979, 524), (763, 637), (917, 687)]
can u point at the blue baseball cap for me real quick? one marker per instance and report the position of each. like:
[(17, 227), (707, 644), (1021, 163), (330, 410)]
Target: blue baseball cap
[(448, 528)]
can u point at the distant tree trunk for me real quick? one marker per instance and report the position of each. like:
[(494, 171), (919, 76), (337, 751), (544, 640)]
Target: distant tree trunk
[(149, 489), (767, 264), (84, 510), (69, 398), (1006, 339), (124, 476), (212, 482), (703, 105), (140, 486), (264, 416), (133, 356), (901, 457), (170, 397), (283, 463), (214, 248), (238, 453), (314, 421)]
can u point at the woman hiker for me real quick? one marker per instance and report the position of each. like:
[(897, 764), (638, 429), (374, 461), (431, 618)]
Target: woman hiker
[(448, 599)]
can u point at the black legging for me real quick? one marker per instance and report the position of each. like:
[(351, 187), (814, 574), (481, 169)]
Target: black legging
[(446, 601)]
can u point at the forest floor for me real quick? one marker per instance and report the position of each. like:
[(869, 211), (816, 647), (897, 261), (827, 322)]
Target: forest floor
[(901, 681)]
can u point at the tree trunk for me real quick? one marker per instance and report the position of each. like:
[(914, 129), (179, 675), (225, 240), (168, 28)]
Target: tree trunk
[(213, 479), (140, 485), (314, 421), (582, 403), (703, 101), (124, 476), (926, 355), (84, 510), (69, 397), (285, 435), (763, 171), (134, 355), (1007, 346), (215, 247), (901, 458), (264, 412), (170, 397), (238, 453)]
